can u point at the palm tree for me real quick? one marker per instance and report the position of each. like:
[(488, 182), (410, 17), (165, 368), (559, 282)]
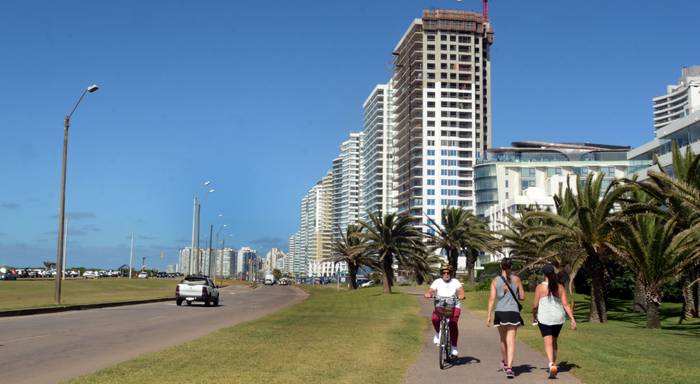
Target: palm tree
[(477, 239), (523, 246), (350, 249), (449, 237), (653, 249), (392, 238), (677, 196), (583, 220), (461, 232)]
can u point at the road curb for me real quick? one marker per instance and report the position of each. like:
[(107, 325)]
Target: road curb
[(78, 307)]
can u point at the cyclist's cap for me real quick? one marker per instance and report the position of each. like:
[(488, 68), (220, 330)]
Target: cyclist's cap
[(548, 269)]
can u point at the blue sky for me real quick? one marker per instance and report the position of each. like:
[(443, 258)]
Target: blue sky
[(256, 96)]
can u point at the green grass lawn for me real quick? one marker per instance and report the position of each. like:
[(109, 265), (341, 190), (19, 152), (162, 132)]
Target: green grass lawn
[(622, 350), (22, 294), (348, 337)]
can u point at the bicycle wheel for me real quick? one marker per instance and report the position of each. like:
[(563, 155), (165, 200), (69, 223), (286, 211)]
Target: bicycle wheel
[(448, 344), (442, 351)]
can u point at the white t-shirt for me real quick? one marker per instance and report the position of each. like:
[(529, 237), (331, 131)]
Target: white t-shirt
[(447, 289)]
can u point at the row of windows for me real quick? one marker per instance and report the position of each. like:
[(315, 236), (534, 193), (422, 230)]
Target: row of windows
[(446, 37), (449, 47), (444, 192)]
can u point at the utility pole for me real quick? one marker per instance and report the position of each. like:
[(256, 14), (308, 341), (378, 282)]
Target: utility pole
[(65, 249), (131, 254), (221, 262), (194, 229), (211, 229), (198, 263)]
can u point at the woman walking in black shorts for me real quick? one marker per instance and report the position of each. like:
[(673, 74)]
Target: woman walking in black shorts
[(548, 309), (507, 316)]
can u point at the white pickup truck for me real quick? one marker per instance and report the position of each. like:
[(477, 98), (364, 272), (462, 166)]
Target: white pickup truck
[(197, 288)]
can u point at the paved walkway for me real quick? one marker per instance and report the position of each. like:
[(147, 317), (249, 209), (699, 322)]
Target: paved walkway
[(479, 355)]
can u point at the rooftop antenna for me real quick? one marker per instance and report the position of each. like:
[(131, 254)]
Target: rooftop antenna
[(486, 9)]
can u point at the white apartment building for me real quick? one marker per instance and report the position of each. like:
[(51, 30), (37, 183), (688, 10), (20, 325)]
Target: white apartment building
[(186, 263), (684, 131), (271, 259), (246, 262), (225, 262), (347, 176), (290, 261), (312, 243), (680, 99), (529, 174), (442, 110), (377, 189), (676, 119)]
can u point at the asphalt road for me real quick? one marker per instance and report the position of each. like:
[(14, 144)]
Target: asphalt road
[(51, 348)]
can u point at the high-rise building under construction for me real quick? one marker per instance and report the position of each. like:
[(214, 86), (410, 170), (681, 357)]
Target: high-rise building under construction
[(442, 110)]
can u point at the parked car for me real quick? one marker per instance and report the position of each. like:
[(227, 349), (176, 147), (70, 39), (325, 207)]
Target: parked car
[(162, 275), (143, 275), (91, 274), (366, 284), (8, 276), (197, 288), (284, 281)]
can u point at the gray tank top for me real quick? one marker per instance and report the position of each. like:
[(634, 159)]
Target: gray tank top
[(505, 301)]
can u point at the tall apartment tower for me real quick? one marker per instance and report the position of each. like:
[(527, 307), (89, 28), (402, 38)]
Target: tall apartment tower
[(442, 110), (680, 100), (291, 264), (314, 242), (377, 152), (347, 176)]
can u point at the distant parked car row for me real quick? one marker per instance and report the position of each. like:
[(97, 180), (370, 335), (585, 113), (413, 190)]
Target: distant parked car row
[(29, 273)]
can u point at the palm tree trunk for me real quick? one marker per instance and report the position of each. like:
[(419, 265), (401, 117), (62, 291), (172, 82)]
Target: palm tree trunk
[(453, 255), (696, 289), (471, 264), (639, 304), (352, 271), (388, 273), (653, 320), (419, 278), (688, 298), (596, 270)]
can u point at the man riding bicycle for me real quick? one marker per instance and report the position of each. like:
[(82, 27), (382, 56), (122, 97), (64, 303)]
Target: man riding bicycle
[(447, 287)]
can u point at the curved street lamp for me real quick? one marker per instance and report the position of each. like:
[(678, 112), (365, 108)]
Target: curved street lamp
[(62, 209)]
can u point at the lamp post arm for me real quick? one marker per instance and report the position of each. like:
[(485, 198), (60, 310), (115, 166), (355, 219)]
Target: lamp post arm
[(82, 95)]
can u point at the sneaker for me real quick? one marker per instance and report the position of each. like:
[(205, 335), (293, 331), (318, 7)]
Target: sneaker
[(509, 373), (455, 352), (553, 371), (436, 340), (503, 366)]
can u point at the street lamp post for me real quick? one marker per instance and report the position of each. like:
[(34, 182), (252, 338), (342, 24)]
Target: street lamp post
[(62, 208), (221, 252), (194, 258)]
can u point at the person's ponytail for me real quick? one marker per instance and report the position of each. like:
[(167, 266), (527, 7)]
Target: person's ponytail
[(506, 266), (552, 284)]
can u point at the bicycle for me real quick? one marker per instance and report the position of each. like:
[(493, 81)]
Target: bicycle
[(444, 308)]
